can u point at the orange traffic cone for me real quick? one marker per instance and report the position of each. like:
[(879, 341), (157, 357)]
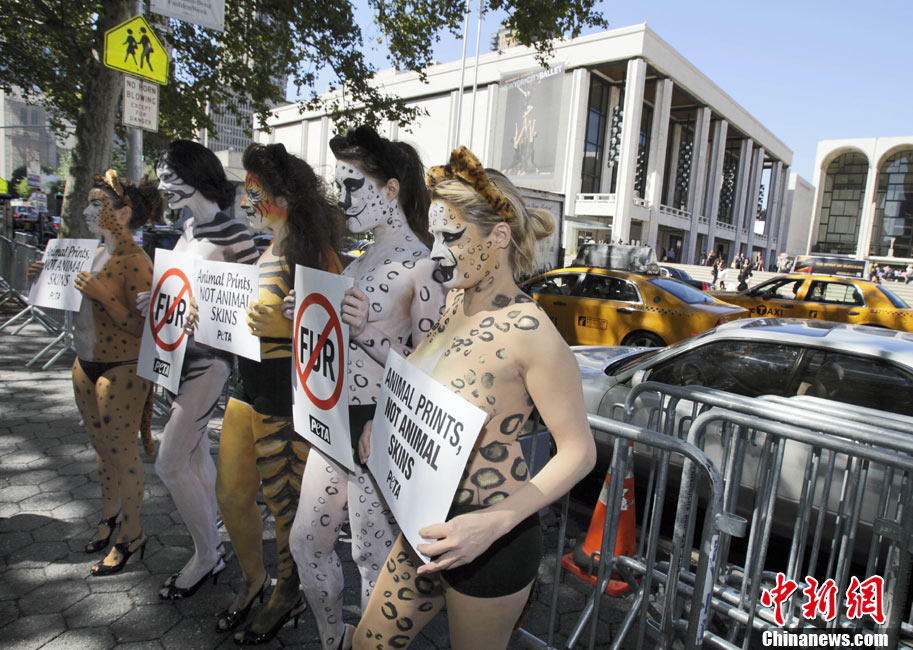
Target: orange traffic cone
[(584, 561)]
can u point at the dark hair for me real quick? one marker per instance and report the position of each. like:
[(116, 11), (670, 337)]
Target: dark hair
[(200, 168), (314, 219), (145, 203), (383, 159)]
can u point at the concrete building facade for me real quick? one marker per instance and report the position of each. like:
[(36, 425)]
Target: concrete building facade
[(864, 199), (641, 145)]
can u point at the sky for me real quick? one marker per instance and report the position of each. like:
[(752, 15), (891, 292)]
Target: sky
[(808, 70)]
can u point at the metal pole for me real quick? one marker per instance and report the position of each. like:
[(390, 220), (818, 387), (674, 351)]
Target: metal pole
[(475, 80), (135, 134), (459, 112)]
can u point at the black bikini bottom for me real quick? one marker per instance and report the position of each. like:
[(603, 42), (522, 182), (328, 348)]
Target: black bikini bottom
[(359, 415), (95, 369), (509, 564)]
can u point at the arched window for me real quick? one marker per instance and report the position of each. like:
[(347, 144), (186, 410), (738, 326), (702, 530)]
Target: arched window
[(841, 204), (894, 207)]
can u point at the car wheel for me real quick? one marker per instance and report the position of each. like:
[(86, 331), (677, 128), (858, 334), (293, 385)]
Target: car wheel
[(643, 339)]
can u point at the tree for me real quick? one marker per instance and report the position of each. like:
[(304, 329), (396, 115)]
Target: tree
[(53, 50)]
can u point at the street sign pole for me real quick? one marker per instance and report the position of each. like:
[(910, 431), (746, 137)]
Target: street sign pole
[(134, 133)]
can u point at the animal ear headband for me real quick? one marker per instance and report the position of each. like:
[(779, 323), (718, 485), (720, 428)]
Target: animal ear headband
[(464, 166), (111, 180)]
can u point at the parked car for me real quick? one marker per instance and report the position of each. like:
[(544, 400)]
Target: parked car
[(863, 366), (606, 307), (826, 297), (682, 275)]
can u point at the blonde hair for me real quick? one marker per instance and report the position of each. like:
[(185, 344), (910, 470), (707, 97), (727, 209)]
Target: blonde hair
[(527, 225)]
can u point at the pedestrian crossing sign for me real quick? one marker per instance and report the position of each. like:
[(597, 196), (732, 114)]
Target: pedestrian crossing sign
[(134, 48)]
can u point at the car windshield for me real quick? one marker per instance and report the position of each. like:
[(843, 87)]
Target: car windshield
[(684, 292), (896, 300)]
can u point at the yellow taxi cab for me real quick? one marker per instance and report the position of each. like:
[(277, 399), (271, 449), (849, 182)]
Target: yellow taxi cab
[(596, 306), (826, 297)]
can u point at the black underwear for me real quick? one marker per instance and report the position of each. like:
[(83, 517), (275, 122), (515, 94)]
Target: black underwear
[(266, 385), (359, 415), (506, 567), (95, 369)]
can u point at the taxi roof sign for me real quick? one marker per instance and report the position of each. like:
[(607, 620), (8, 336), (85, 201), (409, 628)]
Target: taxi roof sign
[(134, 48)]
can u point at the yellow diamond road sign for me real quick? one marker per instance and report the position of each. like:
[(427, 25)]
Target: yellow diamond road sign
[(133, 47)]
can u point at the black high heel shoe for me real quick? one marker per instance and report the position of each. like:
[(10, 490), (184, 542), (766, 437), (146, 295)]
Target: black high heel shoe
[(171, 591), (230, 619), (220, 549), (96, 545), (125, 552), (248, 637)]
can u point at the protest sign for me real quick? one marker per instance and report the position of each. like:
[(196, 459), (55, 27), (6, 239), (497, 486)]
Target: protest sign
[(161, 353), (64, 259), (223, 291), (420, 441), (320, 343)]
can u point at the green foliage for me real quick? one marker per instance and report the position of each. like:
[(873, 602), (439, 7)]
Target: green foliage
[(23, 189)]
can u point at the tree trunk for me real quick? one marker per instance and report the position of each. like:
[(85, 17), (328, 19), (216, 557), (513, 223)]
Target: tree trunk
[(94, 135)]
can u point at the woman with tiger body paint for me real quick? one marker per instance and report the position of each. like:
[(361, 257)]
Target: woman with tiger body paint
[(258, 443), (495, 348)]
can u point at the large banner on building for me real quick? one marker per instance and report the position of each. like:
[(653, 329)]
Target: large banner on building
[(420, 442), (532, 107)]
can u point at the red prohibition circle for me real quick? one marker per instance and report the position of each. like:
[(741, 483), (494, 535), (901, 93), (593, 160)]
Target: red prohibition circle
[(168, 347), (332, 325)]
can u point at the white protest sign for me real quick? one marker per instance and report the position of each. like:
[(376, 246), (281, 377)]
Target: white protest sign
[(222, 291), (420, 441), (320, 342), (64, 259), (161, 353)]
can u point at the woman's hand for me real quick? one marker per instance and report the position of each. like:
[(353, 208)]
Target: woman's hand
[(268, 321), (34, 269), (355, 310), (143, 299), (460, 540), (288, 305), (91, 286), (193, 316), (364, 442)]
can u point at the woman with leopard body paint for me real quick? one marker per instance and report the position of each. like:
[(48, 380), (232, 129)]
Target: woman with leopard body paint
[(495, 348), (395, 300)]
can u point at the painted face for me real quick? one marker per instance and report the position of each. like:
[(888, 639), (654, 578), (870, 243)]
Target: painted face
[(175, 190), (262, 210), (463, 255), (99, 214), (364, 204)]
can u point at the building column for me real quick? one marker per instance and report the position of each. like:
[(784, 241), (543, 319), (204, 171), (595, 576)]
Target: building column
[(741, 189), (656, 167), (785, 213), (773, 208), (867, 218), (751, 204), (717, 159), (630, 137), (573, 153), (697, 181)]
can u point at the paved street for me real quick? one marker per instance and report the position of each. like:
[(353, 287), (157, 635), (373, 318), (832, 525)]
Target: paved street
[(49, 506)]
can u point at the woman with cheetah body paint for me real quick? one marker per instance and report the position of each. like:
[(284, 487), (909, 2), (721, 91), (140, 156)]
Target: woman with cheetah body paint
[(258, 443), (110, 397), (495, 348), (191, 176), (394, 300)]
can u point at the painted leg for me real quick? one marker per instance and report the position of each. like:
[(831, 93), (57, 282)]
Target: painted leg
[(281, 455), (374, 529), (184, 447), (321, 512), (237, 484), (121, 397), (401, 604), (483, 622), (86, 402)]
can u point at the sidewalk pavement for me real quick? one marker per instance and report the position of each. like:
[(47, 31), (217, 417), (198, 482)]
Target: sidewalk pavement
[(49, 507)]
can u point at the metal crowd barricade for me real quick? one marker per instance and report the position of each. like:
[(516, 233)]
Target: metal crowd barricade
[(684, 609), (845, 500)]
